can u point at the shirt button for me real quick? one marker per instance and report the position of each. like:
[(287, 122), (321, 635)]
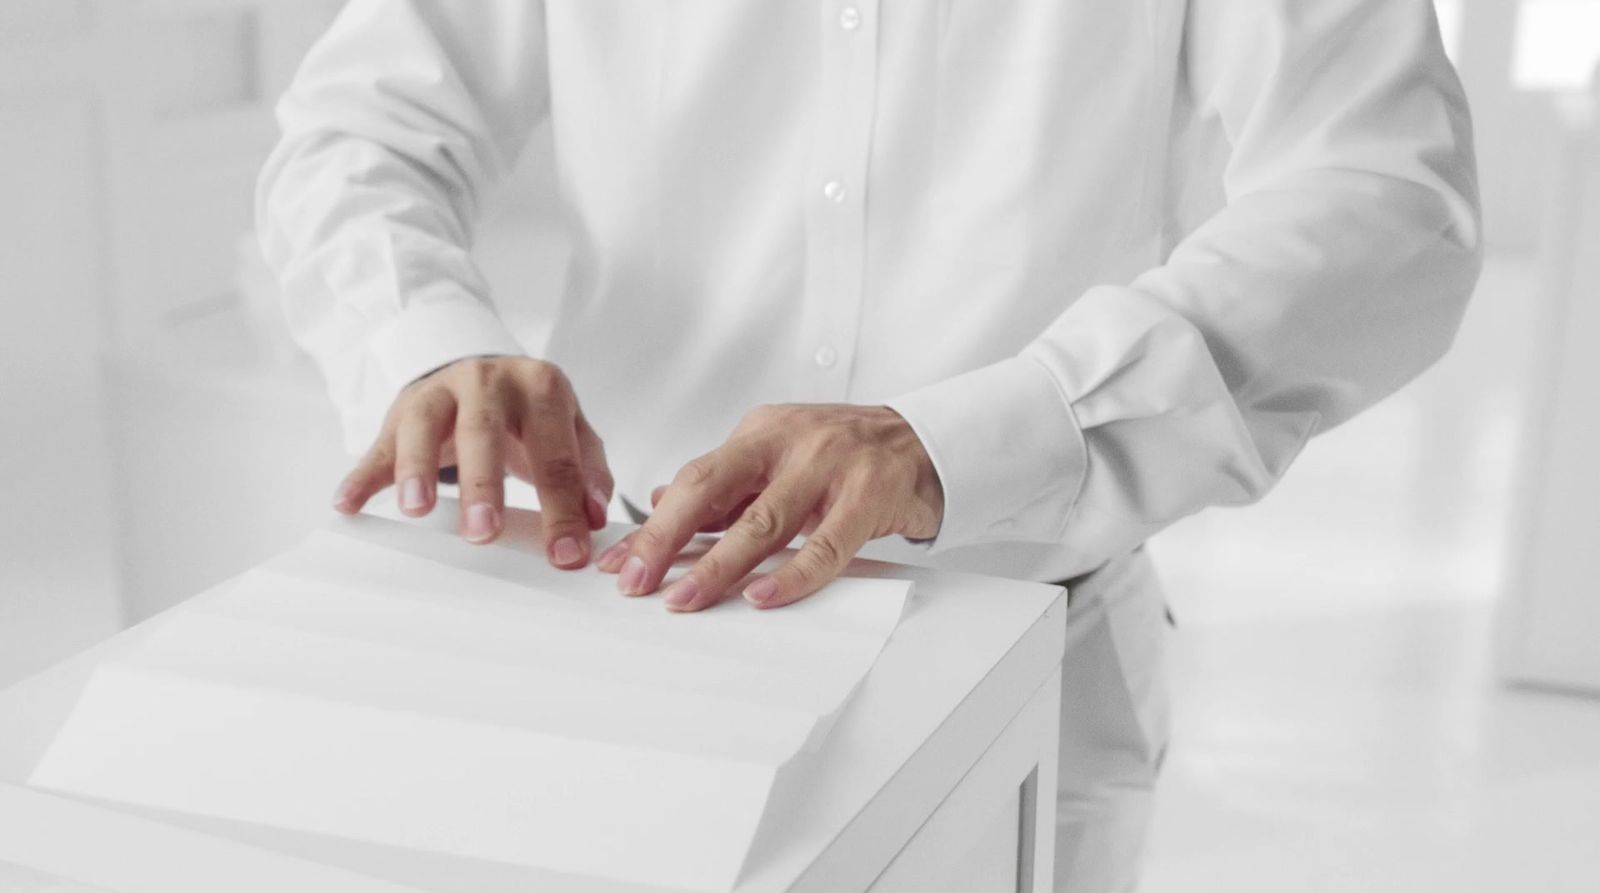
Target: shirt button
[(826, 357), (834, 191), (850, 18)]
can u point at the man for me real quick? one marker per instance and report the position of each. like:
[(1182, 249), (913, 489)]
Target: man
[(1006, 287)]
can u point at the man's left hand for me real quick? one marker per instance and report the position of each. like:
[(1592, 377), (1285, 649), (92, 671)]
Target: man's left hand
[(841, 474)]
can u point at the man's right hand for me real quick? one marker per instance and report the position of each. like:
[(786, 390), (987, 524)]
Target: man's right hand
[(488, 416)]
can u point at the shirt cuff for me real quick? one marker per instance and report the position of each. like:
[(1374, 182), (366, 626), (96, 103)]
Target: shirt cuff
[(1008, 451), (437, 333), (424, 337)]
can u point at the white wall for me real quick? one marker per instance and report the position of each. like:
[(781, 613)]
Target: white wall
[(55, 530), (130, 132)]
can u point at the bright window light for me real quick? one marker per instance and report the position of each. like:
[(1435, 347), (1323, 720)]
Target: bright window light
[(1558, 44), (1449, 25)]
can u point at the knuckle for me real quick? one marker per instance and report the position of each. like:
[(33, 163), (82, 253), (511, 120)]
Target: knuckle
[(696, 473), (710, 570), (381, 455), (820, 557), (763, 416), (649, 540), (434, 403), (562, 473), (546, 383), (761, 522), (415, 458), (556, 526)]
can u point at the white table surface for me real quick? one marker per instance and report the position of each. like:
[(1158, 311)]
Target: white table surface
[(967, 656)]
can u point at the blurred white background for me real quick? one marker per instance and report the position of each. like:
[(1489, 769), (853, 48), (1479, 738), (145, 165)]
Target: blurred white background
[(1388, 672)]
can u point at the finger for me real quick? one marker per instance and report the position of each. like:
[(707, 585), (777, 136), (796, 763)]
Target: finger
[(373, 472), (726, 521), (704, 490), (825, 555), (418, 437), (551, 441), (719, 524), (594, 507), (596, 473), (771, 521), (480, 468), (610, 559)]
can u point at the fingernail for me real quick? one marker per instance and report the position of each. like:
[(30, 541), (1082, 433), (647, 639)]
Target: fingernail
[(762, 591), (412, 495), (597, 500), (611, 557), (480, 522), (681, 593), (632, 580), (567, 551)]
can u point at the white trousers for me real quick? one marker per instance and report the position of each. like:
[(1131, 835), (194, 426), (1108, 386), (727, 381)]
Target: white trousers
[(1114, 726)]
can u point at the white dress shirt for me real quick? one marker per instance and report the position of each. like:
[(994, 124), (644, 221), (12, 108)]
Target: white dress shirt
[(1114, 260)]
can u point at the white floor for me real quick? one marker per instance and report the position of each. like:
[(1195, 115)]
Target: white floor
[(1339, 724)]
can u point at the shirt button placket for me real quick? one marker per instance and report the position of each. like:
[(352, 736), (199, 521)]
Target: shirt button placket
[(835, 218)]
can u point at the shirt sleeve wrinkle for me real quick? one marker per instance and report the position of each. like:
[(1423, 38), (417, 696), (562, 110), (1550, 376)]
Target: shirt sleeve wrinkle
[(1336, 270), (398, 119)]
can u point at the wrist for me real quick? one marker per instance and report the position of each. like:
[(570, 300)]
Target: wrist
[(927, 491)]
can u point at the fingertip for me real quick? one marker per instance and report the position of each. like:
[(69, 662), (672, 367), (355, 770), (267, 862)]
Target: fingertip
[(763, 592), (595, 506), (632, 580), (481, 523), (610, 559), (416, 498), (569, 552), (684, 595), (347, 498)]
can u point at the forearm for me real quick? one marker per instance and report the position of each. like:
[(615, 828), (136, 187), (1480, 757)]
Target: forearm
[(1336, 271), (397, 121)]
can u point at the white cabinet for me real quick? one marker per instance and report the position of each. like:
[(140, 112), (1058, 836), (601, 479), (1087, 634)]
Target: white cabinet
[(939, 774), (1552, 617)]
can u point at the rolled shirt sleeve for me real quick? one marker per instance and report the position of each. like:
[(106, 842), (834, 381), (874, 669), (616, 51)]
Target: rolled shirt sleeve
[(1336, 271), (399, 118)]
